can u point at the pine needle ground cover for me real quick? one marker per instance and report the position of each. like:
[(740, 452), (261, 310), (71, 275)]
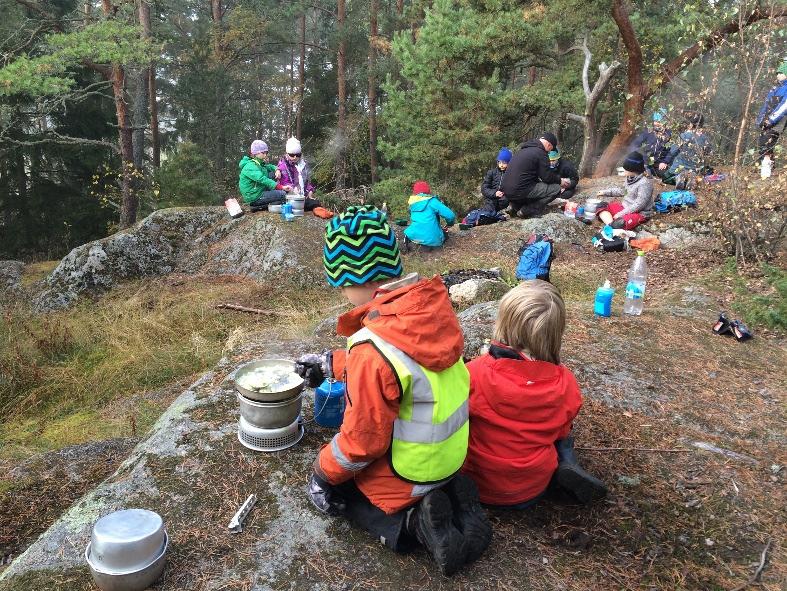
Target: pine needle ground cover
[(686, 427)]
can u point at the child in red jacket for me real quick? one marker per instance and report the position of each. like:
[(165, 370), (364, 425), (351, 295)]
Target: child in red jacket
[(522, 404)]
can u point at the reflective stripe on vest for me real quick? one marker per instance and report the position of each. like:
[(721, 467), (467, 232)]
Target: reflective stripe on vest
[(430, 434)]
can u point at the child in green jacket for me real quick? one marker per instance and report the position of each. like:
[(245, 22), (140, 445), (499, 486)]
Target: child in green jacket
[(259, 180)]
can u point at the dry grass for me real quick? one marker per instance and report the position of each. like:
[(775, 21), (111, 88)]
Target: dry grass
[(69, 372)]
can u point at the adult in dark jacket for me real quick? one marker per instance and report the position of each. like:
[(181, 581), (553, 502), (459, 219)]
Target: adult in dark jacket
[(566, 170), (772, 119), (529, 183), (494, 197), (656, 145)]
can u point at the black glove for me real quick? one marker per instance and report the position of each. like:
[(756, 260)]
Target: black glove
[(315, 368), (324, 497)]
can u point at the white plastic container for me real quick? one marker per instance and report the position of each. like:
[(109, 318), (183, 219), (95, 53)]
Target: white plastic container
[(635, 288)]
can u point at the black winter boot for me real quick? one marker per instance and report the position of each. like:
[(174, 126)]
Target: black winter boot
[(469, 517), (572, 478), (434, 528)]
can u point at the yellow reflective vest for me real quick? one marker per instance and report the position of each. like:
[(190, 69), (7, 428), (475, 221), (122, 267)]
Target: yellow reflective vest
[(430, 434)]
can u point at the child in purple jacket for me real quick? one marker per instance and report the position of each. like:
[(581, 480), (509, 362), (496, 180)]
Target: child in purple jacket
[(297, 173)]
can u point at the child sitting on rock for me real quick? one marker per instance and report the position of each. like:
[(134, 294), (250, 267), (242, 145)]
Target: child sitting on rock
[(567, 170), (494, 198), (259, 180), (391, 468), (637, 205), (425, 213), (522, 404)]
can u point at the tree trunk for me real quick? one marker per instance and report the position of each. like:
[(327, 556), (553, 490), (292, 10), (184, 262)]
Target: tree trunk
[(399, 7), (130, 201), (373, 9), (140, 106), (150, 72), (301, 79), (139, 117), (531, 75), (592, 97), (155, 142), (341, 124), (290, 94), (219, 154)]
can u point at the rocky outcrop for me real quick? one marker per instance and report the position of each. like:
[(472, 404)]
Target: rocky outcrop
[(10, 275), (558, 227), (477, 323), (477, 290), (187, 240)]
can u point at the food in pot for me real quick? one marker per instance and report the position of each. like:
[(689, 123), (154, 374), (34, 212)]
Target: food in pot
[(269, 379)]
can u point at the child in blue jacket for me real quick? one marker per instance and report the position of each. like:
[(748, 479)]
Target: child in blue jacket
[(425, 213)]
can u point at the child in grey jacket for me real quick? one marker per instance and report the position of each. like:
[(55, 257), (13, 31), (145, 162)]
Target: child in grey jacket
[(637, 204)]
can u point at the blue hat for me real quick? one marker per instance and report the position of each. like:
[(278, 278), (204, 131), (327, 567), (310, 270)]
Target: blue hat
[(659, 115), (504, 155)]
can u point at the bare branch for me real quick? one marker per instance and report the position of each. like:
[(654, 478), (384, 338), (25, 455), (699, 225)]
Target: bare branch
[(606, 72), (586, 66), (715, 38), (61, 139), (577, 118)]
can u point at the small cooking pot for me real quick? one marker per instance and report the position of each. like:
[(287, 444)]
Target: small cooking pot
[(270, 415), (294, 386)]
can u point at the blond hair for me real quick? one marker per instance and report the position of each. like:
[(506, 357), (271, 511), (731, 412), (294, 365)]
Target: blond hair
[(531, 319)]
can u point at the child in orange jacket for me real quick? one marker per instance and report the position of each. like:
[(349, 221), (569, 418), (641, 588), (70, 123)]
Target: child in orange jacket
[(390, 468)]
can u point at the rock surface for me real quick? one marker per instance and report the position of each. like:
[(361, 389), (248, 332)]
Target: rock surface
[(474, 291), (10, 275), (187, 240), (678, 238), (559, 227), (477, 323)]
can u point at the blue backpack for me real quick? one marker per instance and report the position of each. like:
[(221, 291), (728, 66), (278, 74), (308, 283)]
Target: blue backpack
[(535, 258), (675, 199), (482, 217)]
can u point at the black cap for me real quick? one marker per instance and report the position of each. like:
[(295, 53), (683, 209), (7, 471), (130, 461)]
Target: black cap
[(550, 137), (634, 162)]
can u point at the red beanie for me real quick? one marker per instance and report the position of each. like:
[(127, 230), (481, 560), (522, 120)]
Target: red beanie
[(421, 187)]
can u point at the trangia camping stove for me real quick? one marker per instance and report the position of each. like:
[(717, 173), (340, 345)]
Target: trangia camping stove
[(270, 394)]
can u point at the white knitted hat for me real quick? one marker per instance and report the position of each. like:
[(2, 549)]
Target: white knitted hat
[(293, 146)]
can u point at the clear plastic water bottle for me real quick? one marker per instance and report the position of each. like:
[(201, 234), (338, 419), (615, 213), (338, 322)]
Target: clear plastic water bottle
[(635, 288)]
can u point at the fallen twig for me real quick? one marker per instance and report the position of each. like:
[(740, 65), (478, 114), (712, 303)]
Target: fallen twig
[(758, 572), (644, 449), (245, 309)]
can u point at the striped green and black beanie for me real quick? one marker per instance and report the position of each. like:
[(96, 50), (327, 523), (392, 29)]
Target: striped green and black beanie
[(360, 247)]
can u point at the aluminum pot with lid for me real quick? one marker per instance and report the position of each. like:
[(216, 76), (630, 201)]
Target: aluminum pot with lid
[(288, 386), (271, 415), (127, 550)]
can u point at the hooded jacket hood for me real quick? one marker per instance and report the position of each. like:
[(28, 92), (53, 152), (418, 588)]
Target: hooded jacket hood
[(244, 161), (421, 202), (417, 319), (532, 144), (539, 399)]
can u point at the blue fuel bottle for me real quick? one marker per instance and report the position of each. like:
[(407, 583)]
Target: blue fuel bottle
[(329, 403)]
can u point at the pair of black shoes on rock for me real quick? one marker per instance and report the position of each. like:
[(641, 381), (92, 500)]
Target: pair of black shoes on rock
[(451, 524), (734, 328)]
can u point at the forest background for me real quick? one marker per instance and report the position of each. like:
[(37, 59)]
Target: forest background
[(110, 110)]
